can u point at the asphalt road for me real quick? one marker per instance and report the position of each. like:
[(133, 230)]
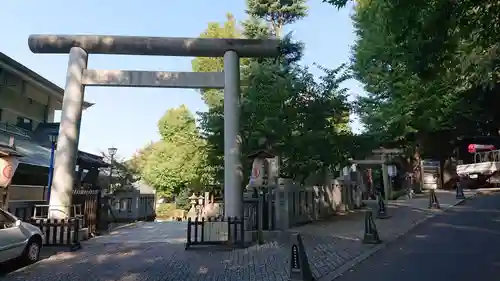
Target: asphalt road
[(462, 244)]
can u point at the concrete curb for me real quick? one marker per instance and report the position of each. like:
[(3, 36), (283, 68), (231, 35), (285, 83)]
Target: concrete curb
[(125, 225), (357, 260)]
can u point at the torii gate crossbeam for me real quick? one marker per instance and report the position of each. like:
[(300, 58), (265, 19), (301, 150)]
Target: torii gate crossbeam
[(78, 76)]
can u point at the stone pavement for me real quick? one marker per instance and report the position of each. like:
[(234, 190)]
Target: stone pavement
[(155, 250)]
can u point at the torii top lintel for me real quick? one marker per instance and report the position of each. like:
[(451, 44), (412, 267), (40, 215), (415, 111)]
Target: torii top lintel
[(153, 46)]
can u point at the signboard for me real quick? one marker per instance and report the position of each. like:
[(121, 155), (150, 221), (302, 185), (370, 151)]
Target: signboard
[(273, 169), (8, 166), (478, 147), (431, 173), (258, 170), (392, 171)]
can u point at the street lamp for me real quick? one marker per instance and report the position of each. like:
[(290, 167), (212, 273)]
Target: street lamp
[(112, 153), (53, 141)]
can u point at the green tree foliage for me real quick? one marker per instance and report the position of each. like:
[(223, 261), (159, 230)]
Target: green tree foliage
[(277, 13), (282, 105), (430, 69), (177, 161), (284, 109), (228, 29), (123, 173), (432, 65), (182, 200)]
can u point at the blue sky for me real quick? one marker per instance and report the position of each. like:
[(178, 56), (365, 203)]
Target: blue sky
[(126, 117)]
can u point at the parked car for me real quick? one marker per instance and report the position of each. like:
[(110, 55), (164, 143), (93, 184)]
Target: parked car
[(18, 239)]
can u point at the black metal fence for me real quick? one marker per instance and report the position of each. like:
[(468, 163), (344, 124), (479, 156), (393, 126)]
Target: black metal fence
[(216, 231), (259, 209), (62, 232)]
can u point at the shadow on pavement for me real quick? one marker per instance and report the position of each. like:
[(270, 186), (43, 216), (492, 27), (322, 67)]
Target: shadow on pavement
[(47, 252)]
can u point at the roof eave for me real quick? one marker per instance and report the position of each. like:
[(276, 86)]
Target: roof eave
[(29, 75)]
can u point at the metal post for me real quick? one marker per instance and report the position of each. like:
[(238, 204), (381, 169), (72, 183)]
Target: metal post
[(233, 193), (69, 133), (51, 169), (112, 158), (386, 181)]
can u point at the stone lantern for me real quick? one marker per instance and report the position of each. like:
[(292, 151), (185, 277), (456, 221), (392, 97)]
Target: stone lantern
[(192, 210)]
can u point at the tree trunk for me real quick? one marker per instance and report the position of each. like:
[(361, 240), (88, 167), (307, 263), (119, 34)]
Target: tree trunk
[(417, 169)]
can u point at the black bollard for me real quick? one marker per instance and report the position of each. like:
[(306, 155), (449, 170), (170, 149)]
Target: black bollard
[(433, 200), (371, 233), (299, 263), (381, 211), (460, 192)]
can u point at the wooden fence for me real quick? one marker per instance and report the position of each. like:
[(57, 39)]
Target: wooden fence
[(90, 202), (86, 206), (63, 232)]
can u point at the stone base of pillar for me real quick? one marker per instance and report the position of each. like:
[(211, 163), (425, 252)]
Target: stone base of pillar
[(59, 212)]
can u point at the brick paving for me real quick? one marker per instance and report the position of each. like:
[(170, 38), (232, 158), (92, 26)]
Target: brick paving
[(155, 251)]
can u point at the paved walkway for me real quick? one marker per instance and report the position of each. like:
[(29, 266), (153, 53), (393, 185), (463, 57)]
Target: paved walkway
[(155, 251)]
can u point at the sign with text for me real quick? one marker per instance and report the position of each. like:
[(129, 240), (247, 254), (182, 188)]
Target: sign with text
[(478, 147)]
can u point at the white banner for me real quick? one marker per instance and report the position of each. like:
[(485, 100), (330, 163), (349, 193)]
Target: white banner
[(8, 166)]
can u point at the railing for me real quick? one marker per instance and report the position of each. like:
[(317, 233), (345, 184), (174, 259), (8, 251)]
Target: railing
[(11, 129), (24, 210), (487, 156), (42, 211)]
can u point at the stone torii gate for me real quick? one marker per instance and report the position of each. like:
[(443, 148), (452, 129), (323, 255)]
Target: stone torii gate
[(78, 76), (383, 160)]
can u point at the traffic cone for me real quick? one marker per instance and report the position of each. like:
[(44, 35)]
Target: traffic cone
[(371, 234), (381, 211), (299, 263), (433, 200), (460, 192)]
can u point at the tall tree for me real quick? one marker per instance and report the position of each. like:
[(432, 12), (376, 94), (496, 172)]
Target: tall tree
[(177, 161), (277, 13), (228, 29), (282, 105)]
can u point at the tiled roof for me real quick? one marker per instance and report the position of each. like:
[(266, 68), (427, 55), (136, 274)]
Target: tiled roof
[(36, 154), (33, 153)]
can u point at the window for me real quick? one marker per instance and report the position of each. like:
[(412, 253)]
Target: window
[(6, 221), (25, 123), (117, 205), (129, 205), (1, 111)]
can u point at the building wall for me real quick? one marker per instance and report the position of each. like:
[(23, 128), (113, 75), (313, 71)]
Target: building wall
[(20, 99), (27, 193)]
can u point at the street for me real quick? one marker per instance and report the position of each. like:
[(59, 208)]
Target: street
[(461, 244)]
